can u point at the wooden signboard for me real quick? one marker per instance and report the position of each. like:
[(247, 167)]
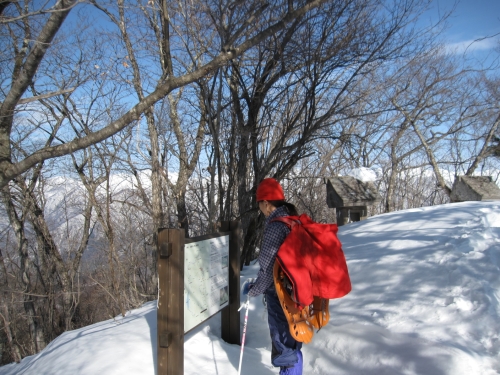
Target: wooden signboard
[(197, 278)]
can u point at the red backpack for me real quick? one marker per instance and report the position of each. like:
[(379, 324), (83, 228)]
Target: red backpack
[(310, 269)]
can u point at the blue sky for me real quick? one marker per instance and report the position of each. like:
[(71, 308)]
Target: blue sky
[(470, 20)]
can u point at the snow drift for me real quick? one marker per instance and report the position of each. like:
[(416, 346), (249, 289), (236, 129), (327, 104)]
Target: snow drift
[(425, 300)]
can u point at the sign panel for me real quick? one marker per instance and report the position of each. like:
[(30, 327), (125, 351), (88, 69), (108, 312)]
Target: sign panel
[(206, 290)]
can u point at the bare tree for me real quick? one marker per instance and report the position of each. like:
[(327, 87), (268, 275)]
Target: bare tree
[(489, 121), (243, 37), (283, 104)]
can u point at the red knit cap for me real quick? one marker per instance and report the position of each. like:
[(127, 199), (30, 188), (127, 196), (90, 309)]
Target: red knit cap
[(270, 190)]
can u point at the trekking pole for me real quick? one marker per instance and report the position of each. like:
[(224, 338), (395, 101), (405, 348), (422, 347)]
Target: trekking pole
[(244, 331)]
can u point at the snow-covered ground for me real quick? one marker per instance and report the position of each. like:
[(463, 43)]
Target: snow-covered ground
[(425, 300)]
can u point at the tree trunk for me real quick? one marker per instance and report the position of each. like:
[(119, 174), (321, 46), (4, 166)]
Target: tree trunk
[(34, 323), (485, 150), (15, 352)]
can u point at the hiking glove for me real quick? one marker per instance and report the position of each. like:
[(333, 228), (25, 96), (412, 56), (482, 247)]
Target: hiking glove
[(247, 285)]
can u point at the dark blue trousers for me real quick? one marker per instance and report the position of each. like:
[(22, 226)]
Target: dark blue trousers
[(285, 350)]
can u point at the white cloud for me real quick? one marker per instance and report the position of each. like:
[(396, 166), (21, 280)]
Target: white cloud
[(472, 45)]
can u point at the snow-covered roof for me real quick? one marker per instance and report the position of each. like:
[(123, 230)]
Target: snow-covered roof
[(474, 188), (348, 191)]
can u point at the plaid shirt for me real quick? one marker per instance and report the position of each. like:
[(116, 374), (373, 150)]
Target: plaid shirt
[(274, 235)]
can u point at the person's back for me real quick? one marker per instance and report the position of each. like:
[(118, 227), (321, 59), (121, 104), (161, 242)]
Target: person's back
[(286, 351)]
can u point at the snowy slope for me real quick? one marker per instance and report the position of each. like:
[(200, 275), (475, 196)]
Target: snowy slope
[(425, 300)]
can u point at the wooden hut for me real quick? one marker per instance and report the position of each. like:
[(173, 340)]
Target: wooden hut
[(350, 197), (474, 188)]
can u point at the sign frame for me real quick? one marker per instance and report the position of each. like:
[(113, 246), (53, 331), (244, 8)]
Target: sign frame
[(170, 313)]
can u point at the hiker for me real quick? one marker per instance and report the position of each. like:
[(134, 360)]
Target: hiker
[(286, 352)]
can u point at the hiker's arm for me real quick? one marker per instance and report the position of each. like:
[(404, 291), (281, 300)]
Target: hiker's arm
[(274, 236)]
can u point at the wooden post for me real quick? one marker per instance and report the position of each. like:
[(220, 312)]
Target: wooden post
[(230, 316), (170, 315)]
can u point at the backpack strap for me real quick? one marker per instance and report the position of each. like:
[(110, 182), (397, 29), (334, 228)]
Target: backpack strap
[(286, 220)]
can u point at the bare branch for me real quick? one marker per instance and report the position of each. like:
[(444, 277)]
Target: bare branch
[(9, 171)]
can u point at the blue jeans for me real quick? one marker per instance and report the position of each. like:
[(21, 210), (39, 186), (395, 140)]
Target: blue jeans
[(285, 350)]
